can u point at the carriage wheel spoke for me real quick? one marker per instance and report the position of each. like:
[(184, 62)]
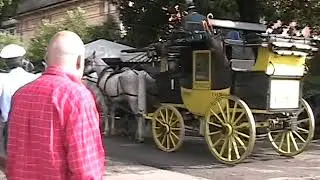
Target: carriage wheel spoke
[(175, 136), (229, 149), (175, 129), (228, 111), (236, 121), (277, 136), (168, 141), (242, 125), (288, 142), (164, 138), (159, 121), (218, 141), (303, 120), (282, 139), (160, 134), (215, 124), (237, 138), (303, 130), (221, 121), (241, 134), (233, 112), (171, 116), (162, 116), (225, 142), (293, 141), (222, 112), (235, 147), (172, 141), (174, 122), (299, 136), (301, 110), (213, 133), (166, 116)]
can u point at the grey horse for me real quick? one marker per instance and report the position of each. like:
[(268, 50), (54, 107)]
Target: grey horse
[(123, 91)]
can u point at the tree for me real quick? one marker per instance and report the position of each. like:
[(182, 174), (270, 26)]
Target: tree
[(108, 30), (8, 8), (144, 20)]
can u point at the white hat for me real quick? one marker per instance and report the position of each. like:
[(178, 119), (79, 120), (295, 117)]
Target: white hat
[(12, 51)]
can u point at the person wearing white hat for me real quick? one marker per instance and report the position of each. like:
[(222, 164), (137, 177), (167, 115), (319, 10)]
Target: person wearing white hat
[(14, 57)]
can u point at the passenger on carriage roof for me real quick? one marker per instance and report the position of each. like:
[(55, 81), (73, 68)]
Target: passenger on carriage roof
[(193, 20), (54, 127)]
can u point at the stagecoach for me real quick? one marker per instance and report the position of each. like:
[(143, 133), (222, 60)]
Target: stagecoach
[(237, 89)]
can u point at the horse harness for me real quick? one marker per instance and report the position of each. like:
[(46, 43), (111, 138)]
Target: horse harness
[(117, 71)]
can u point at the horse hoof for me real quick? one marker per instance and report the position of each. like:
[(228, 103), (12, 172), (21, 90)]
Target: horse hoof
[(106, 133), (112, 132), (140, 141)]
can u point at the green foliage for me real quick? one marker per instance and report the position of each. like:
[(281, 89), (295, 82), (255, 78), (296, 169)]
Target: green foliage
[(8, 8), (73, 21), (6, 39), (145, 20), (108, 30)]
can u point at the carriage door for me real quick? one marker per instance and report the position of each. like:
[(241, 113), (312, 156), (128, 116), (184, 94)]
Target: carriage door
[(202, 69)]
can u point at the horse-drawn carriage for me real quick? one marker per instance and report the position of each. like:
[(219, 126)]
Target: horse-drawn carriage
[(237, 89)]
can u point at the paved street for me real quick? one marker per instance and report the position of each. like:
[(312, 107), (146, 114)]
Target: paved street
[(195, 160), (128, 160)]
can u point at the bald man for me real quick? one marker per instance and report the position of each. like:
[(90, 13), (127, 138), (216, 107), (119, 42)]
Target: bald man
[(53, 126)]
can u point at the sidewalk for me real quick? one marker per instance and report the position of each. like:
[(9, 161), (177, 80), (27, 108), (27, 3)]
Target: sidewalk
[(152, 174), (121, 170)]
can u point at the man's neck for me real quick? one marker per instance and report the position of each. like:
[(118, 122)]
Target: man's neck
[(67, 70)]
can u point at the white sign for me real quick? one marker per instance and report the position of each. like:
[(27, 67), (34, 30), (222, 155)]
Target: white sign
[(284, 94)]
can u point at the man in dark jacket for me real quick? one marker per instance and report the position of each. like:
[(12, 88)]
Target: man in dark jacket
[(193, 20)]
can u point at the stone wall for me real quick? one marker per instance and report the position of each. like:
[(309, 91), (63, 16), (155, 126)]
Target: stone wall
[(96, 11)]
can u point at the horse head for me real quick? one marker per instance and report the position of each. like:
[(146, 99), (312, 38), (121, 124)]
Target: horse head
[(45, 65), (27, 65), (94, 64)]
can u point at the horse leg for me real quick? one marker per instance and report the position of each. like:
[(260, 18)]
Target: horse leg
[(106, 130), (140, 128), (112, 114), (140, 121)]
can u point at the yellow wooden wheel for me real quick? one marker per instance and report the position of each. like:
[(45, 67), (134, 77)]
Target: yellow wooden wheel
[(168, 128), (230, 130), (294, 137)]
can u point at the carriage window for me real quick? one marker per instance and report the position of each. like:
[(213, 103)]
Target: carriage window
[(202, 66)]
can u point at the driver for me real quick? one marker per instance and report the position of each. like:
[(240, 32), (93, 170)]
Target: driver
[(193, 20), (13, 55)]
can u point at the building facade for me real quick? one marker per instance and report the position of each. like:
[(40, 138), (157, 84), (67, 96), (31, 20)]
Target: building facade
[(31, 13)]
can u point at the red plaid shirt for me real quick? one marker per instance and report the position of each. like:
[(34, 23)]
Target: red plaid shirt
[(54, 131)]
